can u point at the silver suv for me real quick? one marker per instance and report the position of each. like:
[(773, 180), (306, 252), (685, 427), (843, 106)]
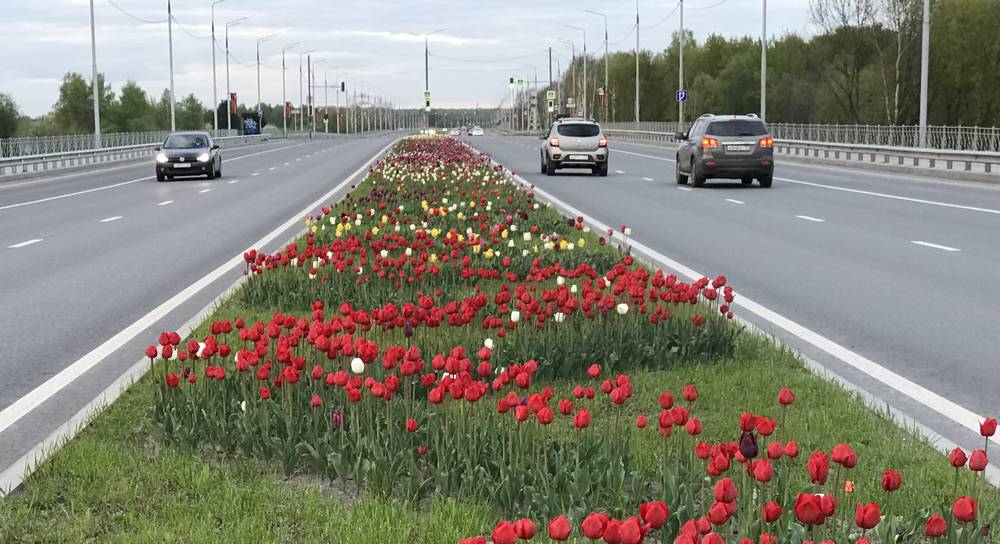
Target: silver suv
[(725, 146), (574, 143)]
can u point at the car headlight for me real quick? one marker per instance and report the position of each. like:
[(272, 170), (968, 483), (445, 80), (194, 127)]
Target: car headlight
[(204, 157), (161, 158)]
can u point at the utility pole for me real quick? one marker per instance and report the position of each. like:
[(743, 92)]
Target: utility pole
[(170, 41), (229, 93), (637, 64), (215, 91), (549, 117), (311, 90), (680, 70), (763, 66), (284, 98), (94, 81), (260, 112), (925, 55)]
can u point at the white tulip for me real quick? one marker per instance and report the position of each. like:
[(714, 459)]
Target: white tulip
[(408, 252), (243, 405), (510, 243), (560, 317), (560, 280), (515, 316), (622, 308), (572, 289), (488, 343), (527, 236), (201, 349), (628, 231), (357, 365)]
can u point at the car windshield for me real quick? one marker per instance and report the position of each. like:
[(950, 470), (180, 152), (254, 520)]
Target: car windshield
[(739, 127), (186, 141), (578, 130)]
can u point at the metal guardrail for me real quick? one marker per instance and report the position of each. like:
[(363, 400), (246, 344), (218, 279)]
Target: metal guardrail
[(979, 162), (28, 164), (45, 145), (957, 138)]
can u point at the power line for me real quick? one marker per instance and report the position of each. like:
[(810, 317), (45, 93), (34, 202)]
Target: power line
[(140, 19), (627, 36), (665, 19), (186, 31), (717, 4)]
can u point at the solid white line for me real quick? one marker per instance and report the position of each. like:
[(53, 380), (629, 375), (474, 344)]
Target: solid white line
[(813, 219), (165, 203), (935, 246), (38, 395), (644, 155), (734, 201), (232, 181), (204, 191), (915, 391), (619, 172), (25, 243), (647, 179), (110, 219), (112, 186), (892, 197), (684, 188)]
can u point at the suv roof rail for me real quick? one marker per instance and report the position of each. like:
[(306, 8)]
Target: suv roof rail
[(706, 115), (754, 115)]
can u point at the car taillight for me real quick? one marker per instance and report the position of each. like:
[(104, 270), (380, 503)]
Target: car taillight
[(709, 143), (603, 142), (554, 142), (766, 141)]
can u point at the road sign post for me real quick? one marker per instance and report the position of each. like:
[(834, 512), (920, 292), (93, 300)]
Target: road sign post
[(682, 95)]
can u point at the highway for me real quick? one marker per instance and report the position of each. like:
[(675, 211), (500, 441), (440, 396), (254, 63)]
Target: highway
[(95, 263), (893, 268)]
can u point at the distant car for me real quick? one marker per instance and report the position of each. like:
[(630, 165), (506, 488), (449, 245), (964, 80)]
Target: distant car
[(575, 143), (725, 146), (476, 131), (188, 154), (456, 132)]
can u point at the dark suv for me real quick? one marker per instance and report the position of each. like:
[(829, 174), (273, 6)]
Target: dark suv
[(726, 146)]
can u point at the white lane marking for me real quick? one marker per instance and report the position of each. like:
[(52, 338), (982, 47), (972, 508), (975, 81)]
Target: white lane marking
[(935, 246), (255, 174), (165, 203), (232, 181), (644, 155), (734, 201), (25, 243), (619, 172), (684, 188), (110, 219), (298, 159), (41, 393), (647, 179), (272, 168), (943, 406), (204, 191), (813, 219), (892, 197), (112, 186), (287, 163)]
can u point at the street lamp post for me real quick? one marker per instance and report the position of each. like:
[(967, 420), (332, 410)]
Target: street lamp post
[(302, 114), (607, 91), (284, 98), (97, 100), (427, 77), (229, 94), (215, 91), (584, 96), (637, 64), (259, 109), (763, 65), (572, 65), (925, 54), (680, 69), (170, 42)]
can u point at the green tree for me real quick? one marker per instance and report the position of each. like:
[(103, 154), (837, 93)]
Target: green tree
[(191, 114), (9, 116), (133, 111), (74, 112)]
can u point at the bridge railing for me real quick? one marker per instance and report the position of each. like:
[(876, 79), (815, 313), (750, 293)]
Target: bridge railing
[(45, 145), (959, 138)]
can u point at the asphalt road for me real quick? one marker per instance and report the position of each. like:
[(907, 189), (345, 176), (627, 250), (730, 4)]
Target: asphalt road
[(84, 256), (896, 269)]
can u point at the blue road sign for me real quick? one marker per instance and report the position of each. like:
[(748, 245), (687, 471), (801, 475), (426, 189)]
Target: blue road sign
[(682, 95)]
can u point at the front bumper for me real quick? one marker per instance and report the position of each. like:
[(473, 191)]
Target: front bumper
[(718, 167), (571, 159), (195, 168)]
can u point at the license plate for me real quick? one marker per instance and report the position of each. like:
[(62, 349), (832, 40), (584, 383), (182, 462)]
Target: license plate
[(182, 165), (738, 148), (578, 157)]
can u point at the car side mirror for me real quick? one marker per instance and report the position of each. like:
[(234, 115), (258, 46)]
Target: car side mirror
[(680, 136), (543, 137), (215, 146)]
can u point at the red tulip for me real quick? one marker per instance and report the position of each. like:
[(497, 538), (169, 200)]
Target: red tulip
[(473, 540), (809, 510), (792, 449), (785, 396), (630, 532), (936, 526), (525, 529), (504, 533), (315, 401), (748, 422), (690, 393), (593, 526), (641, 421), (867, 516), (594, 371), (725, 490), (891, 480), (612, 532), (765, 426), (412, 425), (654, 513), (545, 415), (718, 514), (582, 419), (265, 393), (559, 528), (844, 456), (988, 427), (978, 461), (712, 538), (762, 470), (151, 351), (693, 426), (957, 458), (173, 380), (775, 450), (666, 400), (770, 512), (768, 539), (964, 509)]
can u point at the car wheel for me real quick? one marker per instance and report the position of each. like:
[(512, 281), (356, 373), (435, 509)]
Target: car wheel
[(601, 170), (542, 158), (682, 178), (550, 167), (746, 180), (218, 170), (765, 181), (697, 179), (211, 173), (171, 178), (160, 176)]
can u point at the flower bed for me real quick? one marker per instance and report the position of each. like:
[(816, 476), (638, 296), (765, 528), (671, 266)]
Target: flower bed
[(440, 332)]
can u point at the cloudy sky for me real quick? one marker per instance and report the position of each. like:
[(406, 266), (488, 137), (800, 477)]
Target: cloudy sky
[(374, 45)]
